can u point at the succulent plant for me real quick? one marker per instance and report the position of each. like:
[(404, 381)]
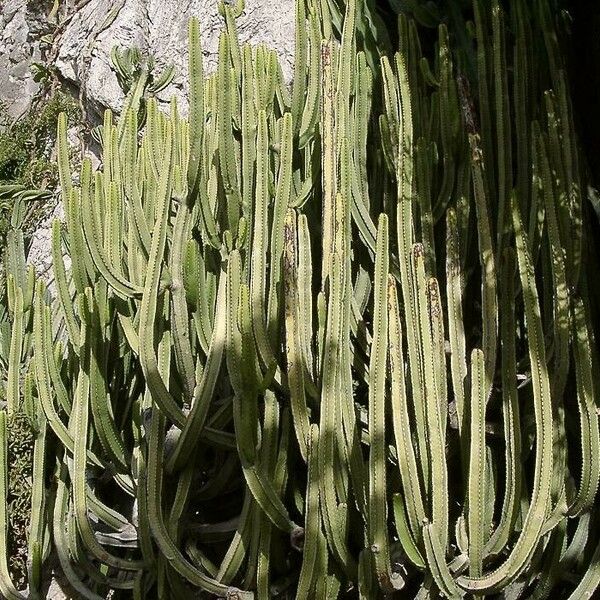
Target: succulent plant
[(333, 340)]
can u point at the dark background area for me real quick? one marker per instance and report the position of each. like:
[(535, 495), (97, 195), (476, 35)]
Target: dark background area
[(584, 71)]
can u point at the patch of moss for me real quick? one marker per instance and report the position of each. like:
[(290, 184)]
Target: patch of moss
[(20, 460)]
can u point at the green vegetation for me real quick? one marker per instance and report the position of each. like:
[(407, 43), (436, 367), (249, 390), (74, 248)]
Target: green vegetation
[(20, 459), (329, 341), (28, 172), (25, 145)]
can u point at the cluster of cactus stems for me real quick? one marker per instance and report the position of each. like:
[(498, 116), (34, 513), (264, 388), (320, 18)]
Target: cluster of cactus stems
[(333, 340)]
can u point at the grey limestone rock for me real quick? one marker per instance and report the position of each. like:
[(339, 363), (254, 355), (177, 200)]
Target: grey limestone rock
[(20, 29), (159, 29), (81, 53)]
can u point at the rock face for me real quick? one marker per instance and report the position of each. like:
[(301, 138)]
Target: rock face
[(81, 51), (20, 29), (159, 29)]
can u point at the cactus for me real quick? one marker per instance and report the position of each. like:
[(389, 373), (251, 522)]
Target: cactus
[(295, 353)]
